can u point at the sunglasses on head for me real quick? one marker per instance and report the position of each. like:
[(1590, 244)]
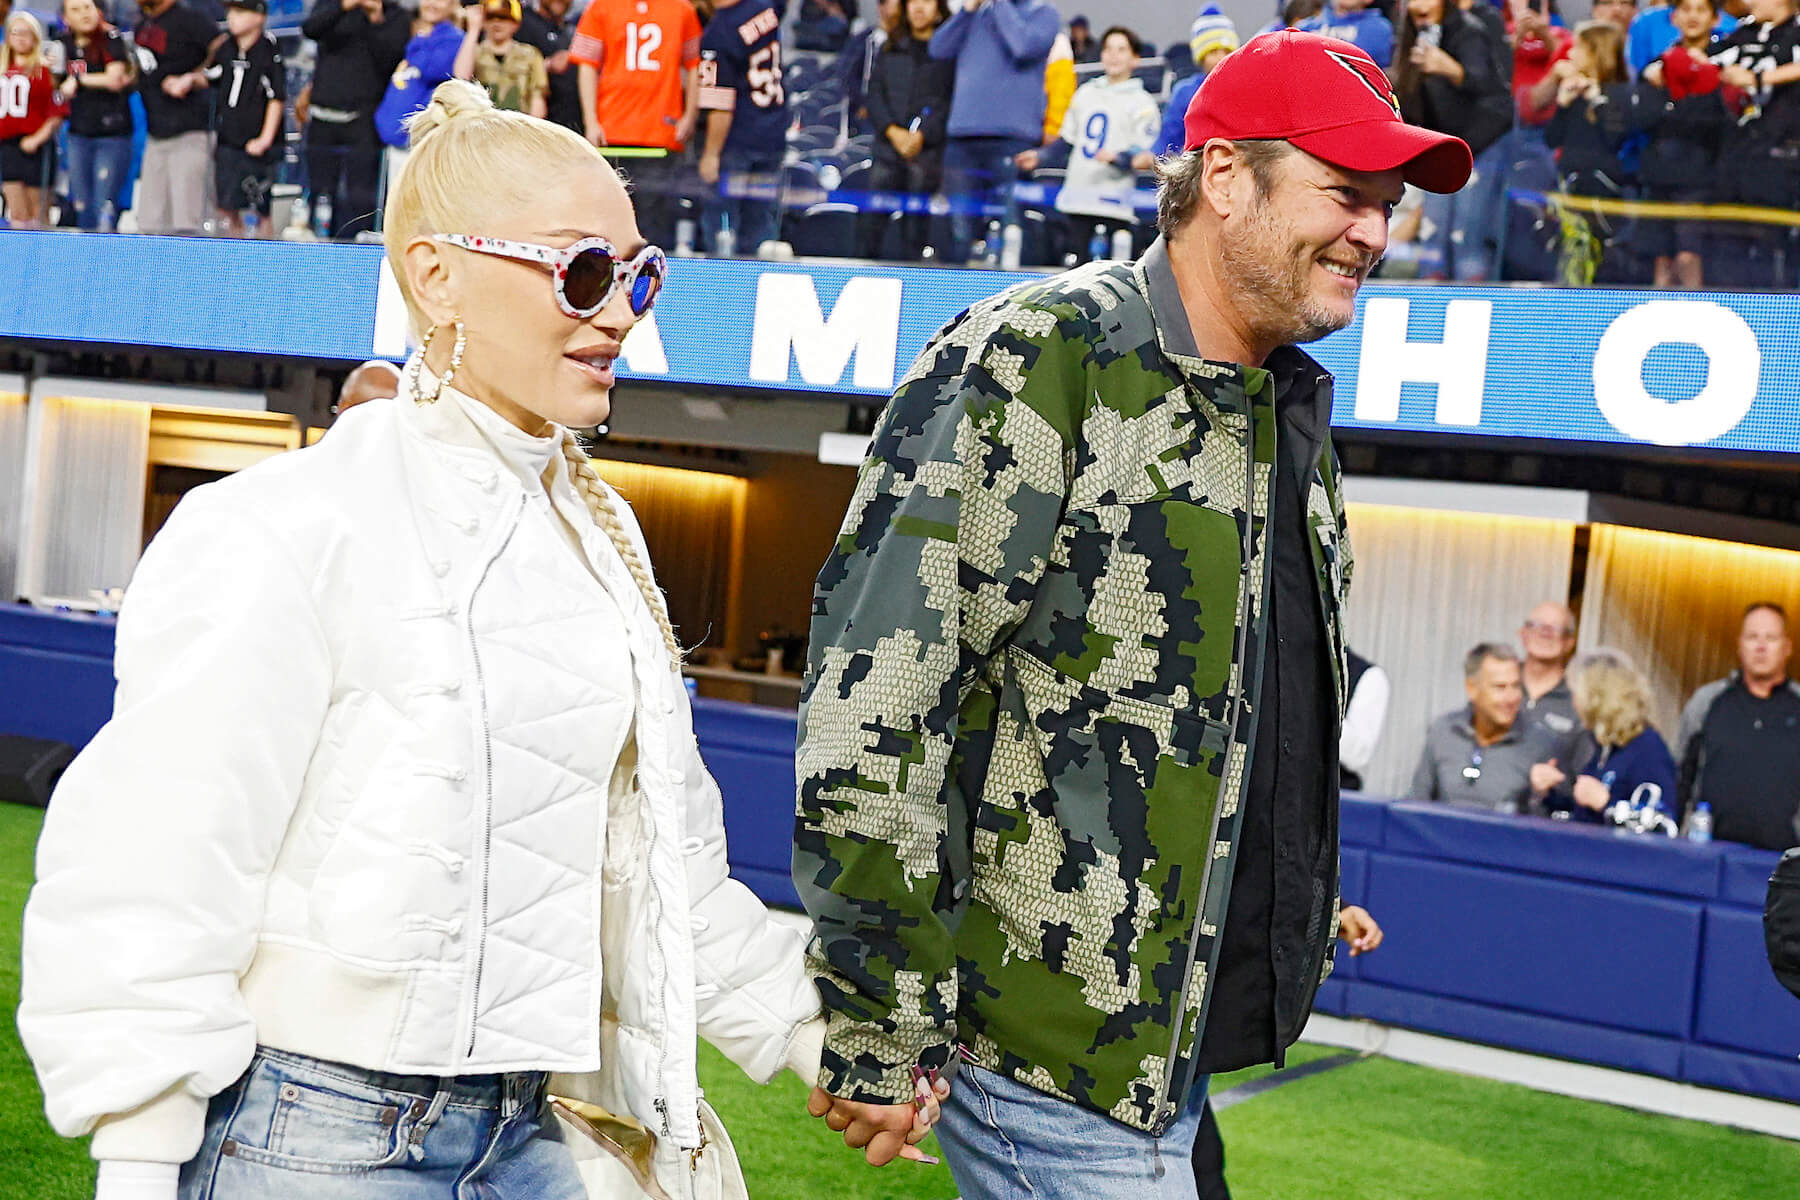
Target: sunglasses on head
[(585, 274)]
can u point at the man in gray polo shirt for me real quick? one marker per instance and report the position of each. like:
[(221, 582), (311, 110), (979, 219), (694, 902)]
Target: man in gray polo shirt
[(1481, 756)]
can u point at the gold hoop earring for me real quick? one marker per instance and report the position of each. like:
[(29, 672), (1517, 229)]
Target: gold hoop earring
[(456, 357)]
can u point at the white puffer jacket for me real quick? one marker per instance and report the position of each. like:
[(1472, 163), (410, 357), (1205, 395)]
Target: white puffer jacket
[(373, 711)]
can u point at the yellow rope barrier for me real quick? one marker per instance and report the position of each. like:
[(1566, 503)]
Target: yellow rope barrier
[(1601, 206)]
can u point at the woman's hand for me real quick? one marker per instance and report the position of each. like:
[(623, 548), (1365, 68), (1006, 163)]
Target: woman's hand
[(883, 1132), (69, 87), (1653, 74), (1435, 60), (1591, 793), (1572, 88)]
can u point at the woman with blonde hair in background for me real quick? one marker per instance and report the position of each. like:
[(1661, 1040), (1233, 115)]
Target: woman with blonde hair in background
[(1613, 700), (400, 808), (31, 109)]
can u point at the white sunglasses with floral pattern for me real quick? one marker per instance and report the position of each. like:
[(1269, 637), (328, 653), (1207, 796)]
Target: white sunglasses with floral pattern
[(585, 274)]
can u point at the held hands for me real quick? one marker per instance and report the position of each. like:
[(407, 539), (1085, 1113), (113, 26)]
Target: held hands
[(883, 1132), (1358, 929)]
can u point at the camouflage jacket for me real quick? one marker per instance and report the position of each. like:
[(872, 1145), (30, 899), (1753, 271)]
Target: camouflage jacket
[(1028, 715)]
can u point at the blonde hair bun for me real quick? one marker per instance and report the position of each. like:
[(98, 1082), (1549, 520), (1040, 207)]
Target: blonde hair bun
[(451, 100)]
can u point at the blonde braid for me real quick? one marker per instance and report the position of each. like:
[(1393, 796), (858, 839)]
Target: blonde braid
[(600, 505)]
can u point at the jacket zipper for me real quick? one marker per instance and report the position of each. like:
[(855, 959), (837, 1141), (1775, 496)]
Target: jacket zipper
[(1162, 1121), (487, 823)]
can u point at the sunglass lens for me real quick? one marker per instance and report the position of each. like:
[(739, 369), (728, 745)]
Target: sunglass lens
[(588, 279), (648, 283)]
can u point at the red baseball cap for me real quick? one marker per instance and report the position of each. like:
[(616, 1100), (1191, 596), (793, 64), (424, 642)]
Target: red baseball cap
[(1328, 98)]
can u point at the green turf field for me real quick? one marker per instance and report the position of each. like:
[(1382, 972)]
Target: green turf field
[(1373, 1130)]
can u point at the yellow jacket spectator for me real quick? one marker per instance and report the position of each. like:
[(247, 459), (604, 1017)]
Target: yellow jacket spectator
[(1059, 86)]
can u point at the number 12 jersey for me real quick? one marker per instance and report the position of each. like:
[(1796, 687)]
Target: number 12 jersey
[(639, 48), (740, 73)]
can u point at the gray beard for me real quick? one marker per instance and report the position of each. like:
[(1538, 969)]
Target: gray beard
[(1270, 273)]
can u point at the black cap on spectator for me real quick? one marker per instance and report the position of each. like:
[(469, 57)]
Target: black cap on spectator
[(255, 6)]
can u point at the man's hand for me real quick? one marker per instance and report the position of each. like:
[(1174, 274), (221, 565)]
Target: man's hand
[(910, 144), (1358, 929), (1026, 160), (709, 169), (1546, 777), (557, 63), (684, 127), (1591, 793), (595, 134), (177, 86), (256, 147), (883, 1132)]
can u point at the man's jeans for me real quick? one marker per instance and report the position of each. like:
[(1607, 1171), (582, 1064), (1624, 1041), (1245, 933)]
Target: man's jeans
[(977, 169), (753, 219), (296, 1128), (1004, 1140)]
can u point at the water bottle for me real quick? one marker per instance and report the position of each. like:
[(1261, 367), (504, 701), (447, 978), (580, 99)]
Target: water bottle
[(991, 257), (725, 241), (1012, 246), (1121, 245), (298, 221), (684, 238), (1700, 823), (321, 216), (252, 223), (1097, 244)]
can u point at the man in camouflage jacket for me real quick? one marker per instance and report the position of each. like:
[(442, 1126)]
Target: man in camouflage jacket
[(1032, 735)]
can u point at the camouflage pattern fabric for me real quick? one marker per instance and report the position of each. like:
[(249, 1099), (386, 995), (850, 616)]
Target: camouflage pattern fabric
[(1024, 736)]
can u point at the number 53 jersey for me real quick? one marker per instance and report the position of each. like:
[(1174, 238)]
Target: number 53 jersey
[(641, 49), (740, 73)]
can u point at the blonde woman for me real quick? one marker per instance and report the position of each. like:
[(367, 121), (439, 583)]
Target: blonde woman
[(401, 793), (31, 110), (1612, 698)]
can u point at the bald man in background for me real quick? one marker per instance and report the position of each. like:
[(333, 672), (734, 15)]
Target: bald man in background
[(1547, 716), (376, 379)]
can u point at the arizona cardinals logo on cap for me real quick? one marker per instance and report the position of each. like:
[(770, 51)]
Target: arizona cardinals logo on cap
[(1370, 75)]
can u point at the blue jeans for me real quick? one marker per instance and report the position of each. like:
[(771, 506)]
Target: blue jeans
[(975, 169), (98, 170), (296, 1128), (1004, 1140), (754, 219)]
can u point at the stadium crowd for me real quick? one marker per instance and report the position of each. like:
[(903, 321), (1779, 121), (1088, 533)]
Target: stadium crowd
[(1552, 734), (982, 133)]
